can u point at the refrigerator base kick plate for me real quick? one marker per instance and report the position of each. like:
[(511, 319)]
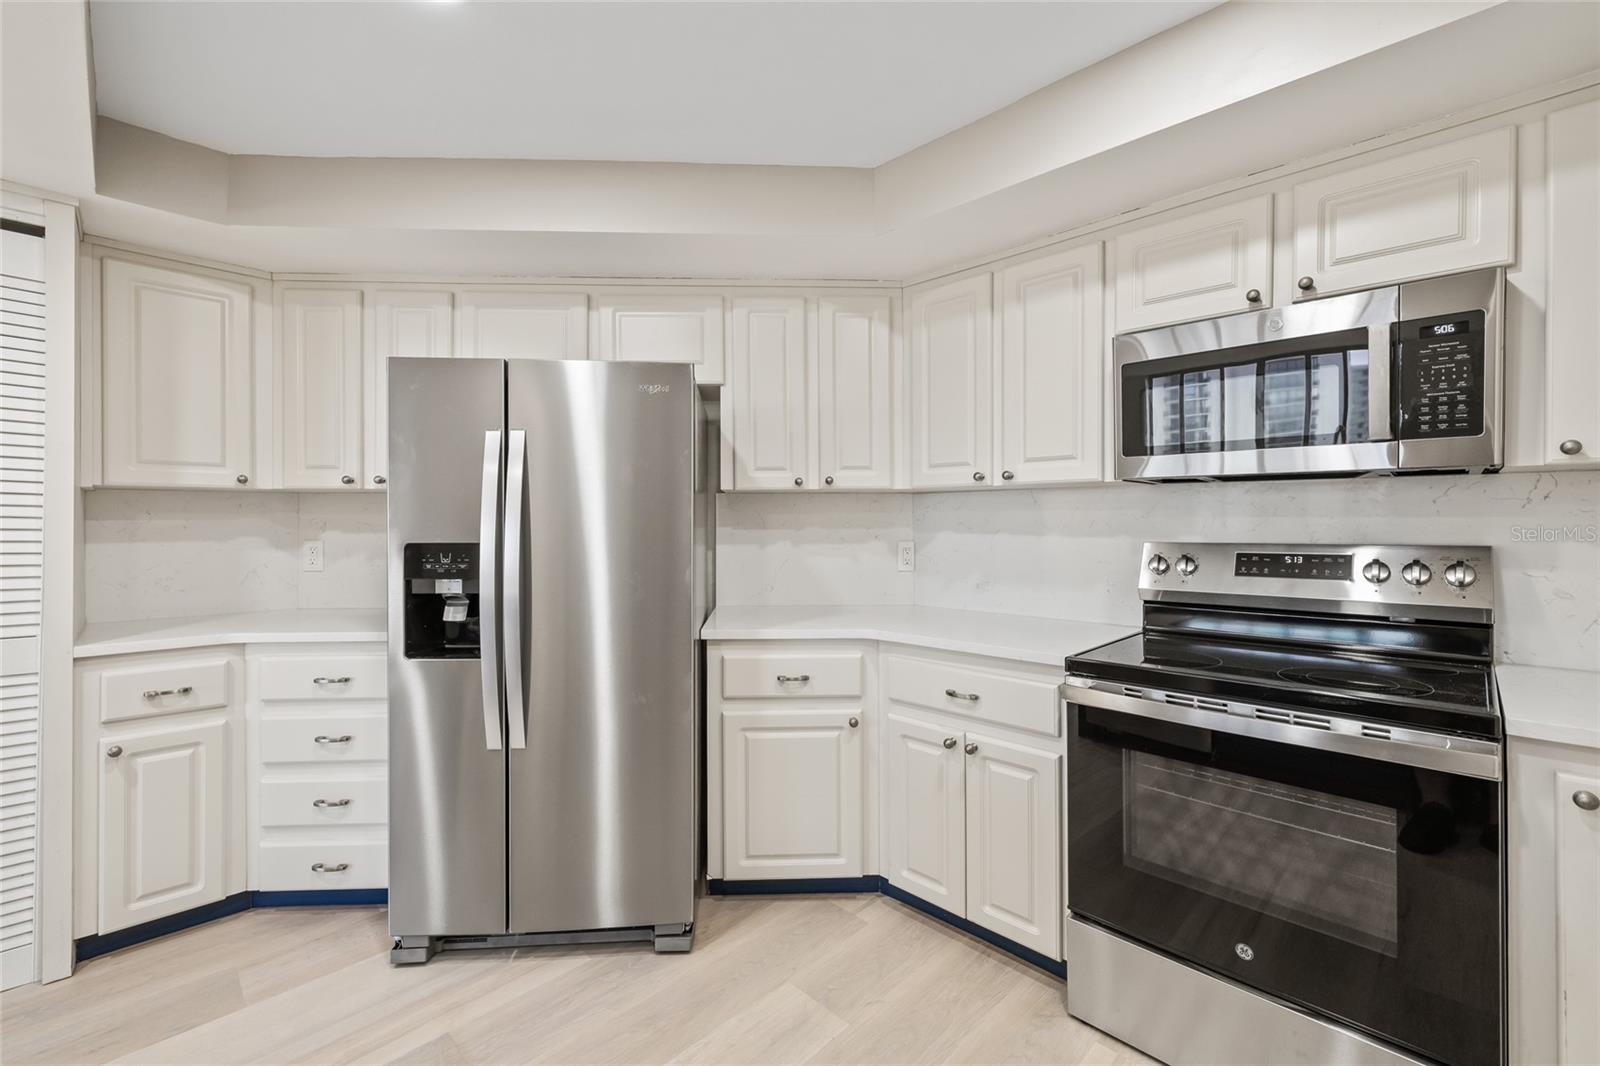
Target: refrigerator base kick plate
[(667, 940)]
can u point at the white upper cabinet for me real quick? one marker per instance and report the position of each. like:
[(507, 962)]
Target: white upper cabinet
[(855, 393), (522, 325), (768, 386), (653, 327), (1572, 312), (319, 353), (176, 388), (951, 384), (1051, 369), (1014, 841), (409, 323), (1212, 262), (1434, 211)]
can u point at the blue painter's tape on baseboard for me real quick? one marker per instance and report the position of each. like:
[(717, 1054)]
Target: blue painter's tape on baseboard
[(871, 883), (91, 946), (1044, 962), (324, 897)]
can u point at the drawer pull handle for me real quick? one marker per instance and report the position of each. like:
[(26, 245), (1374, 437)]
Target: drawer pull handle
[(342, 739), (970, 697), (329, 867), (330, 680), (157, 693), (789, 679), (330, 803)]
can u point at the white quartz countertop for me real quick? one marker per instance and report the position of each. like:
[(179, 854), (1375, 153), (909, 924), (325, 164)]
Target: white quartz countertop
[(1545, 703), (259, 627), (1020, 638)]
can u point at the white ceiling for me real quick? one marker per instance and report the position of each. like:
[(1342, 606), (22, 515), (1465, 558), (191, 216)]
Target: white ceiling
[(817, 84)]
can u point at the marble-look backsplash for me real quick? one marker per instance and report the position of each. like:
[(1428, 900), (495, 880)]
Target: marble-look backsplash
[(1074, 553), (777, 548), (170, 554)]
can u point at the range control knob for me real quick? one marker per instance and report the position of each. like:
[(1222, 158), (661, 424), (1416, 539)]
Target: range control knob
[(1187, 565), (1376, 571), (1416, 572), (1158, 564), (1460, 574)]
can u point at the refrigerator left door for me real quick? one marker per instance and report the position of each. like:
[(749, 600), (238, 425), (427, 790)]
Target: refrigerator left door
[(447, 766)]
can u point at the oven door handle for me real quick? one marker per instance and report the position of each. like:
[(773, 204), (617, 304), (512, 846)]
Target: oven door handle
[(1380, 360), (1467, 756)]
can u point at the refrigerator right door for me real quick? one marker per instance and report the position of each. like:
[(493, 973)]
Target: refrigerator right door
[(600, 644)]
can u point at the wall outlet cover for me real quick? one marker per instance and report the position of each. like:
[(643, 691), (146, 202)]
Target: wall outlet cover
[(311, 556), (908, 555)]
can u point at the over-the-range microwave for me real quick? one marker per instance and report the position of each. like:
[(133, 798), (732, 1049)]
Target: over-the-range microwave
[(1405, 378)]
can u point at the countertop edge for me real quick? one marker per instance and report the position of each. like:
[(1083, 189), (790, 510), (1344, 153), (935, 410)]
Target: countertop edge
[(1573, 694), (178, 634)]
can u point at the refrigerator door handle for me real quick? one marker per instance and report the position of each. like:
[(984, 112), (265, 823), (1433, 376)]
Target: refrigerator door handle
[(516, 490), (489, 589)]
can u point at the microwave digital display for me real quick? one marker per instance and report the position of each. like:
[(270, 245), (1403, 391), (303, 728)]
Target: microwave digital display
[(1318, 567)]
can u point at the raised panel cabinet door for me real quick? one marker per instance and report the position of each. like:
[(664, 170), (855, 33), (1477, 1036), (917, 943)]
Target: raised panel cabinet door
[(412, 324), (1212, 262), (162, 822), (855, 405), (1572, 314), (319, 346), (522, 325), (1435, 211), (767, 401), (1051, 369), (664, 328), (1578, 917), (951, 384), (176, 354), (791, 802), (926, 834), (1014, 842)]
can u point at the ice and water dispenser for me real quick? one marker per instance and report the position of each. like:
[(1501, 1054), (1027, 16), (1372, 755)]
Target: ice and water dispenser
[(441, 601)]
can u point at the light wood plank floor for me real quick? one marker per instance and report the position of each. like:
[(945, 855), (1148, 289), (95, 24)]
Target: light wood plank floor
[(824, 979)]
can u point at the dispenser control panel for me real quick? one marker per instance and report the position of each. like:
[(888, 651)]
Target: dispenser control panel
[(442, 561)]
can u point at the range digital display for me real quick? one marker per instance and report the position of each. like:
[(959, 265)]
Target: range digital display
[(1319, 567)]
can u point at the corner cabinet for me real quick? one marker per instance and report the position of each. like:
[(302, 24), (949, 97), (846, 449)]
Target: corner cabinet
[(951, 384), (175, 376), (320, 386), (1206, 263)]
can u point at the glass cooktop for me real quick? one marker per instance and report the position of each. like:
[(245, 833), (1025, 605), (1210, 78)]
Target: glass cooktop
[(1435, 694)]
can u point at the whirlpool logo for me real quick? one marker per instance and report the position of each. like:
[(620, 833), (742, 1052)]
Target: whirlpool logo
[(654, 390)]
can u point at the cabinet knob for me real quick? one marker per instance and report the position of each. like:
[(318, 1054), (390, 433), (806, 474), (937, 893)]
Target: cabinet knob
[(1571, 447), (854, 721), (950, 742), (1253, 296), (115, 751), (243, 479), (1586, 800), (977, 475), (828, 480), (347, 480), (971, 748), (1306, 284), (1006, 475), (329, 867), (799, 481), (379, 479)]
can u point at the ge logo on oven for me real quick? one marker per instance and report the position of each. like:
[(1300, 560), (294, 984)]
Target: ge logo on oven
[(1244, 951)]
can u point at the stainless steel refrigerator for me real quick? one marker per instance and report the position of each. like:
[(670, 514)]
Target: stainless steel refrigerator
[(547, 577)]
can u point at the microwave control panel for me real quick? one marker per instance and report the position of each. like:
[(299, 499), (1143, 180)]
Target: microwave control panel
[(1440, 369)]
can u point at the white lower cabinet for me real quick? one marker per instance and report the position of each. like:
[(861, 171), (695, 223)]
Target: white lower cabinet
[(792, 793), (926, 798), (1013, 829)]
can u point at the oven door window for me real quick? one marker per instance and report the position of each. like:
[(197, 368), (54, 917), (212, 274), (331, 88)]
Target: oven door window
[(1363, 890), (1250, 398)]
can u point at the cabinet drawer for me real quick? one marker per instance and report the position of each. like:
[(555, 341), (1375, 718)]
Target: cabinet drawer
[(1006, 699), (326, 802), (163, 688), (325, 739), (364, 677), (288, 867), (758, 674)]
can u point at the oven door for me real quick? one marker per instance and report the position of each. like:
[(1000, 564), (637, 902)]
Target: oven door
[(1362, 889), (1305, 389)]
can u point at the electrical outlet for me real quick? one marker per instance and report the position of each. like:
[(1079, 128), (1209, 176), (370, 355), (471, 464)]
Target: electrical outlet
[(908, 555), (311, 556)]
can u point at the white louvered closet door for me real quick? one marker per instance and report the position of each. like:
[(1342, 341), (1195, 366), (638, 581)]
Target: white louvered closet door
[(22, 369)]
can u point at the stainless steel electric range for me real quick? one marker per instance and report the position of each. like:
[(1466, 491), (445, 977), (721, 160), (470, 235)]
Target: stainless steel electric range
[(1284, 810)]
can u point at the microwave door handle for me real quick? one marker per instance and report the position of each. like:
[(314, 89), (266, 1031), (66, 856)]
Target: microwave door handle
[(1380, 357), (488, 589), (516, 489)]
